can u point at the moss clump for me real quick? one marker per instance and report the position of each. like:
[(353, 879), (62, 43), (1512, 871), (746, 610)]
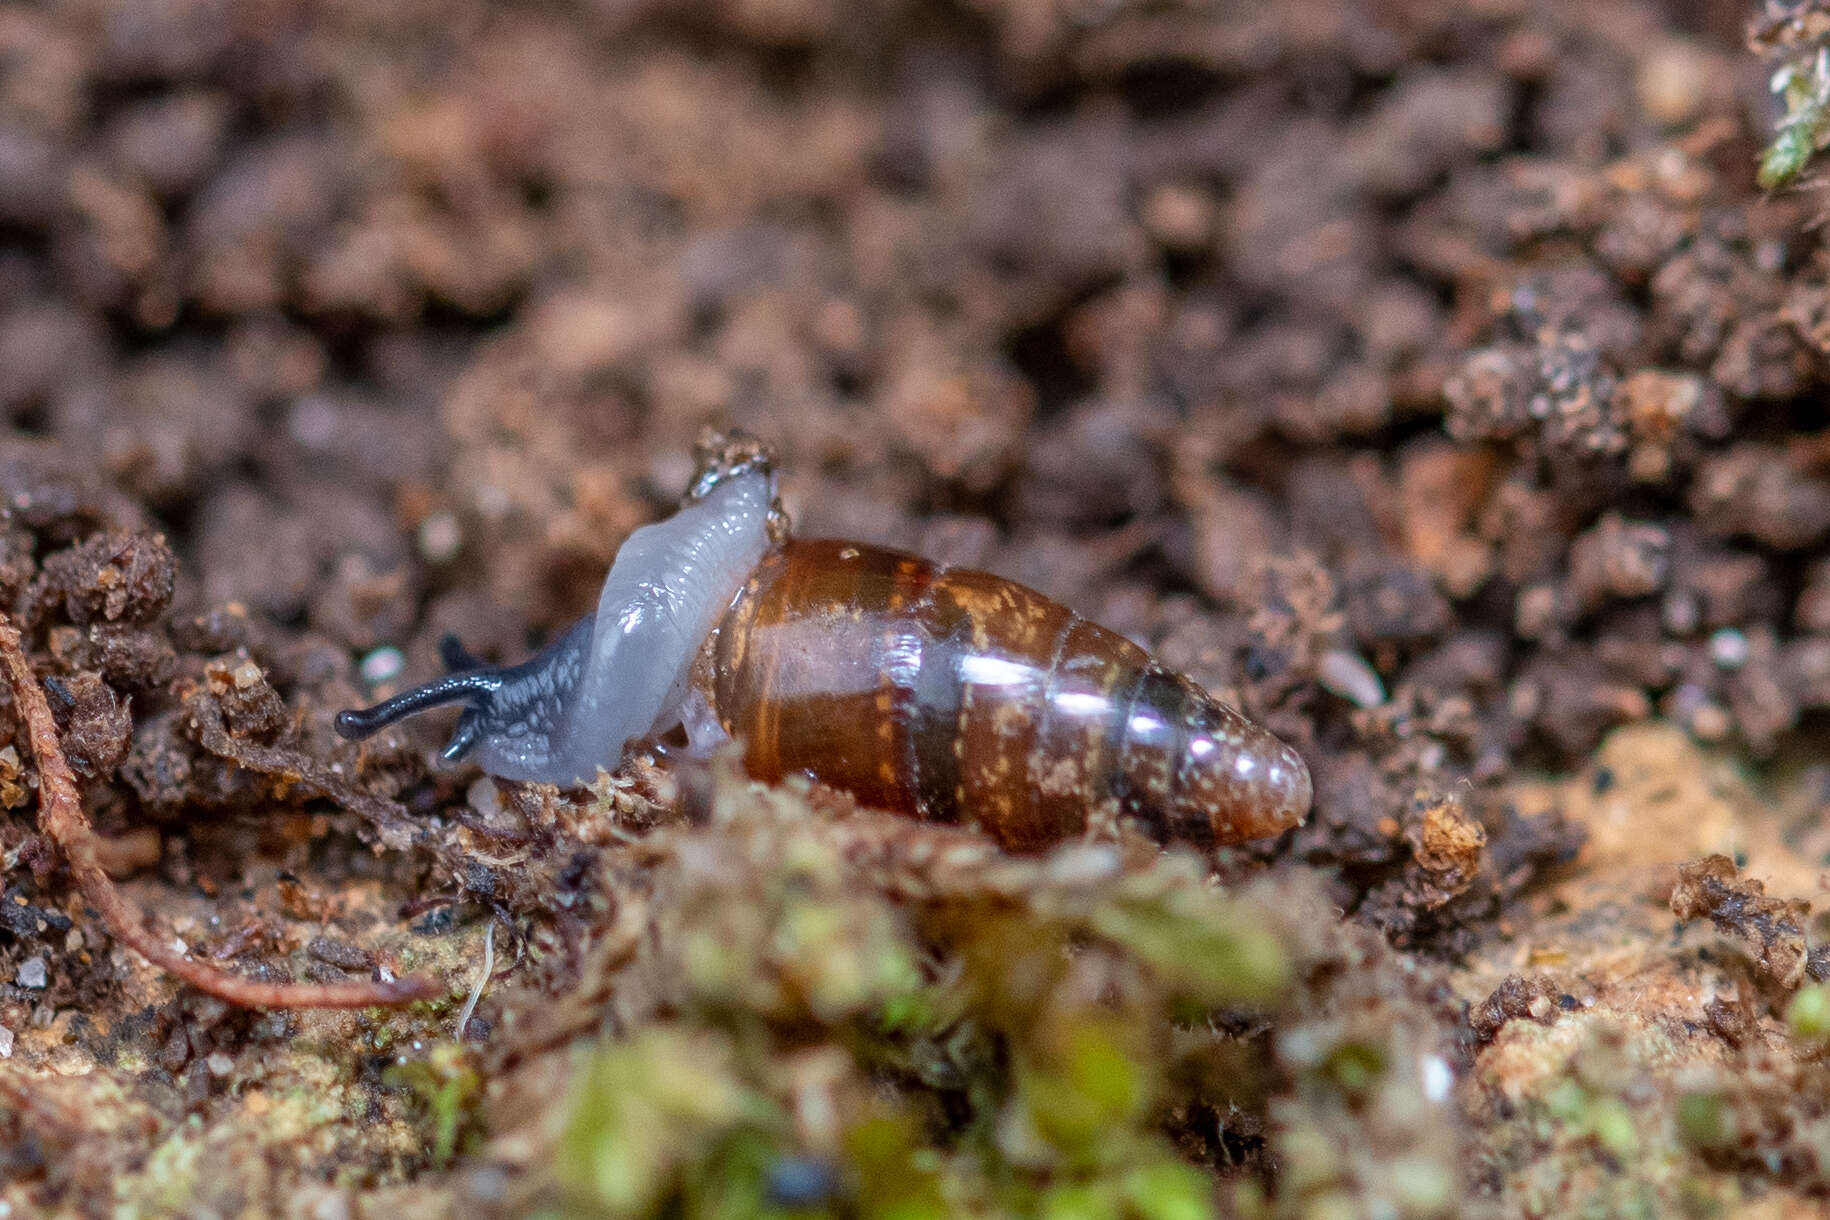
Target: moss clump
[(662, 1116), (875, 1018), (688, 1121)]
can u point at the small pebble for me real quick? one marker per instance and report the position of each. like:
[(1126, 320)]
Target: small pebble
[(1681, 613), (1180, 217), (1669, 81), (6, 1043), (440, 538), (219, 1064), (313, 422), (1710, 722), (1348, 675), (32, 973), (1728, 648), (383, 665), (484, 797), (1438, 1078)]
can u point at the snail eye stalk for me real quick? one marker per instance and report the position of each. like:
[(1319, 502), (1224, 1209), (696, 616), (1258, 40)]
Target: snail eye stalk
[(457, 658)]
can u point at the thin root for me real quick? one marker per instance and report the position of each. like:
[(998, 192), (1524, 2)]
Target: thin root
[(61, 818), (476, 989)]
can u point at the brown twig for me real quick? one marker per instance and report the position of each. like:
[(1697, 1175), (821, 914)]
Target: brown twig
[(61, 818)]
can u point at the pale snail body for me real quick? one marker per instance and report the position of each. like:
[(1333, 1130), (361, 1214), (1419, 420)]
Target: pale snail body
[(943, 693)]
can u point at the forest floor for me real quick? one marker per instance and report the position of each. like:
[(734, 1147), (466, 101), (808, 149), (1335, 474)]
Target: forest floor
[(1433, 382)]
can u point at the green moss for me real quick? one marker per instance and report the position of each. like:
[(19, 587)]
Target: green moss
[(1804, 84), (1080, 1201), (896, 1177), (1007, 1043), (1613, 1127), (1809, 1012), (645, 1110), (1074, 1096), (1704, 1121), (1604, 1130), (1213, 950), (168, 1182), (1167, 1190), (449, 1088), (1356, 1066)]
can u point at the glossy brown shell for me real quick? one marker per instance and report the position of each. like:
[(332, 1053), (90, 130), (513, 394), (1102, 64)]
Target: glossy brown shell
[(956, 695)]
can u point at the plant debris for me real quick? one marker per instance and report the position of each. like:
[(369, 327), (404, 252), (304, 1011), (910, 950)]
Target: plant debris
[(61, 818), (1773, 928)]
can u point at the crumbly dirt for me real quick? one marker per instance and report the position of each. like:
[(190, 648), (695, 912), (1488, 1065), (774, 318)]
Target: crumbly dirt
[(1433, 382)]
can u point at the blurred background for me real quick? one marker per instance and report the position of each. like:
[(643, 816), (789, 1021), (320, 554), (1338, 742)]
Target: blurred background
[(407, 313)]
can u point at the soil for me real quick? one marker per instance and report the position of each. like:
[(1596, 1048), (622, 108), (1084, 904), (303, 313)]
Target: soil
[(1432, 382)]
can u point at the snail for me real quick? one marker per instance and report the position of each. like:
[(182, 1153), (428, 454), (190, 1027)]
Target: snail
[(943, 693)]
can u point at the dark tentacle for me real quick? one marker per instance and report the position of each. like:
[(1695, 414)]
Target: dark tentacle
[(469, 732), (456, 657), (473, 687)]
